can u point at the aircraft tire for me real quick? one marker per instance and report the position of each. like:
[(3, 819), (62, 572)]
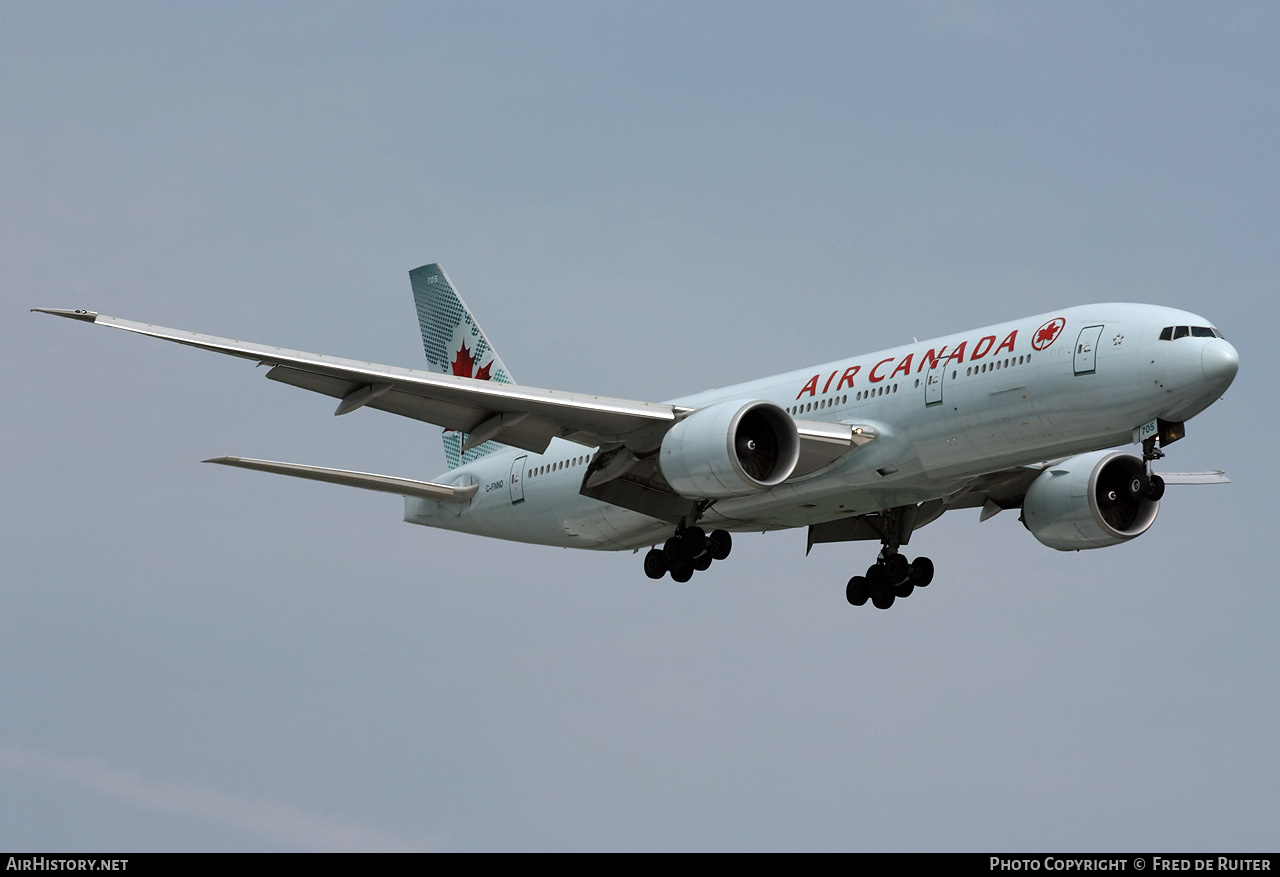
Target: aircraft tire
[(695, 541), (902, 590), (921, 573), (719, 544), (1156, 490), (882, 599), (896, 569), (875, 576), (702, 562), (655, 563), (674, 552), (856, 591), (682, 573)]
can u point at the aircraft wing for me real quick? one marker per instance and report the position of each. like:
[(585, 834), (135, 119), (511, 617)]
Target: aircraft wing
[(524, 417)]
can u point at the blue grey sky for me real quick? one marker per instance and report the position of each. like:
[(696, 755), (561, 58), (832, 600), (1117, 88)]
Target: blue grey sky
[(638, 200)]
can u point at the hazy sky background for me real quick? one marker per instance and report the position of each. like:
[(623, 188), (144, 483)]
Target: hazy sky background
[(639, 200)]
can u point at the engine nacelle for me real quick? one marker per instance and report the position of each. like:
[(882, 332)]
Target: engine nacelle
[(1090, 501), (730, 449)]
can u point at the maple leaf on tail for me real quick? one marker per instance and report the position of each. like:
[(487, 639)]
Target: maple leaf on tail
[(464, 363)]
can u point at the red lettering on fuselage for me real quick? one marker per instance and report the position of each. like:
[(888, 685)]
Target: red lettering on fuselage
[(1007, 344), (931, 359), (872, 375), (979, 351)]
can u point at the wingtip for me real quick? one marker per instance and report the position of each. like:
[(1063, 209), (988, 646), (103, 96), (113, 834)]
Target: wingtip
[(76, 314)]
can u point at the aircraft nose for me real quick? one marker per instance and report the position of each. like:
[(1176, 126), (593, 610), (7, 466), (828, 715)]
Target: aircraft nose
[(1220, 362)]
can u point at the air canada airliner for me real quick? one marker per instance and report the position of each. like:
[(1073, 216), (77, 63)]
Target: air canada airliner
[(1027, 415)]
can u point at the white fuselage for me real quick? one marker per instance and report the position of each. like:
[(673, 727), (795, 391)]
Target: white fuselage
[(946, 410)]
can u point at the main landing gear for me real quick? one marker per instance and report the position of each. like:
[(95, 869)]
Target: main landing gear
[(689, 550), (889, 578)]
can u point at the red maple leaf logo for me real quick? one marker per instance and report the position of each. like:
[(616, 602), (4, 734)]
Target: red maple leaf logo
[(464, 365), (1047, 333)]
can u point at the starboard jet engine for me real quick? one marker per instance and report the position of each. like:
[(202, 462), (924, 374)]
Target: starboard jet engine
[(1092, 501)]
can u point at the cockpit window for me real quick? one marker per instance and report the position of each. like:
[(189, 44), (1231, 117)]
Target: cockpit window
[(1172, 333)]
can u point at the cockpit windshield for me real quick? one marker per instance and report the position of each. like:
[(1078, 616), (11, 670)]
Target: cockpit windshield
[(1173, 333)]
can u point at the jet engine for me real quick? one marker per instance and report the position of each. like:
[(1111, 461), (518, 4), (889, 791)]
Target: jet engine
[(1090, 501), (730, 449)]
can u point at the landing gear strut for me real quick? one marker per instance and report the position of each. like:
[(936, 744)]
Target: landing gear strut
[(891, 576), (1153, 489), (690, 549)]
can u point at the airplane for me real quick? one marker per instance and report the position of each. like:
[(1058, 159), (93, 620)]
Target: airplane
[(1024, 415)]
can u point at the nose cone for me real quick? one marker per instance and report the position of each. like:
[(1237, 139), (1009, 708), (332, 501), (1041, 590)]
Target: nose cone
[(1220, 362)]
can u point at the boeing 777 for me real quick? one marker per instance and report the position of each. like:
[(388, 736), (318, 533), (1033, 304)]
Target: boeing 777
[(1022, 415)]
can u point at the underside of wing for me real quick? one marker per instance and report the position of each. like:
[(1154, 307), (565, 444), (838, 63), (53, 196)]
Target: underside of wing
[(655, 458), (525, 417)]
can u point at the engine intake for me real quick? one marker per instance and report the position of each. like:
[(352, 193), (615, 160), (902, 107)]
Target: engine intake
[(1090, 501), (731, 448)]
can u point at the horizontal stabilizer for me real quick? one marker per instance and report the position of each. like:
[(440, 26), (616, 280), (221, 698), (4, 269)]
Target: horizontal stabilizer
[(363, 480)]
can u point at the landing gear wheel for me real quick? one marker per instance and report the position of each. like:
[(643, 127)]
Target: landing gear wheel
[(682, 573), (674, 553), (856, 591), (903, 589), (875, 576), (719, 544), (1138, 485), (702, 562), (655, 563), (895, 569), (695, 541), (882, 599), (1156, 490), (921, 572)]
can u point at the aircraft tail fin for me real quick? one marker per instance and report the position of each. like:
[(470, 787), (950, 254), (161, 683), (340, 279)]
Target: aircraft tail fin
[(455, 345)]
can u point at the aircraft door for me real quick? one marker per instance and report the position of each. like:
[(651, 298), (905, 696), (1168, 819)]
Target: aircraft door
[(933, 381), (1087, 350), (517, 479)]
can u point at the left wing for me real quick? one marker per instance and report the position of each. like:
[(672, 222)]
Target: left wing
[(525, 417)]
